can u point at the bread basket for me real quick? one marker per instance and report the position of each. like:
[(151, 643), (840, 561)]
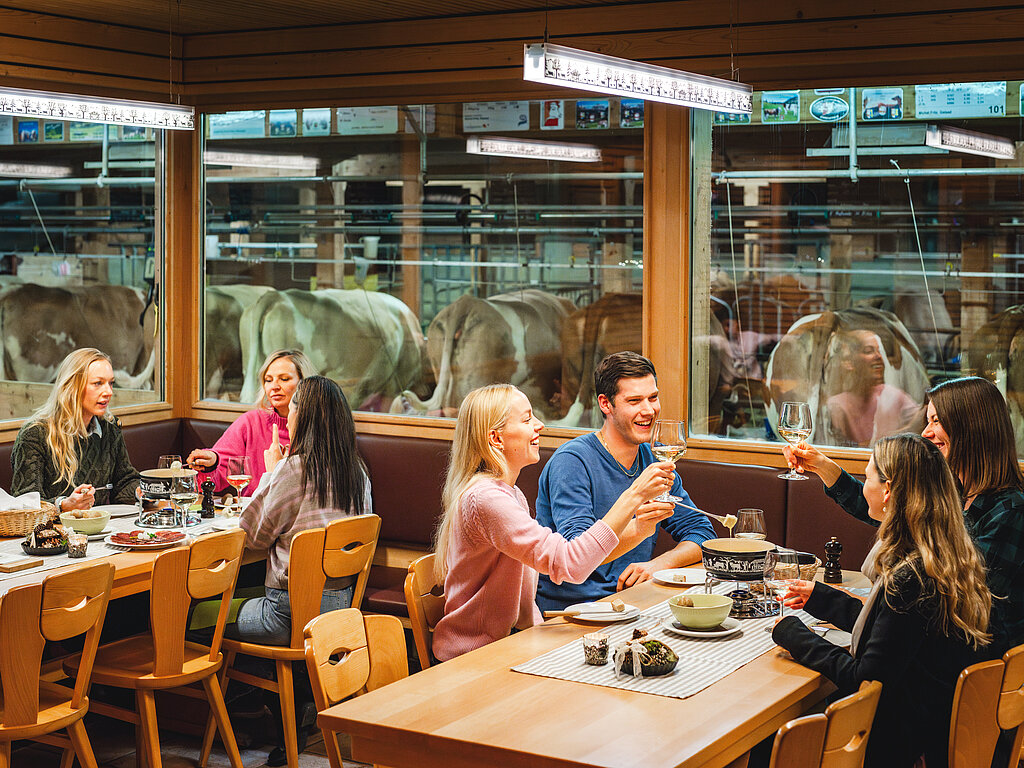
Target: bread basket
[(20, 522), (807, 569)]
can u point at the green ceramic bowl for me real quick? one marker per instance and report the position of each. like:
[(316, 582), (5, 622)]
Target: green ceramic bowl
[(86, 524), (707, 612)]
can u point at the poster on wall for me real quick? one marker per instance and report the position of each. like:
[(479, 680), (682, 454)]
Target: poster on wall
[(316, 122), (592, 114), (6, 129), (882, 104), (495, 116), (86, 131), (247, 124), (133, 133), (780, 107), (631, 113), (955, 100), (28, 131), (362, 121), (730, 118), (552, 115), (425, 115), (53, 131), (829, 109), (284, 122)]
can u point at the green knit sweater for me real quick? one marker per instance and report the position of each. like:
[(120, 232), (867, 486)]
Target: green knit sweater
[(102, 459)]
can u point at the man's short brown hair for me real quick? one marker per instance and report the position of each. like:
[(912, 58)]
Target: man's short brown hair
[(620, 365)]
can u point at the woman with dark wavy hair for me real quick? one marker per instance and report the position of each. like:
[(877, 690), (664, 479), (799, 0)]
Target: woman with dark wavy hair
[(926, 618), (968, 421)]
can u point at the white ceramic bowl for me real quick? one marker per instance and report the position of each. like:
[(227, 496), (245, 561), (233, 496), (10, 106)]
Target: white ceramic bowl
[(86, 524), (707, 611)]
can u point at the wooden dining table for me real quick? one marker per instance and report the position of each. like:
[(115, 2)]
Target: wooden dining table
[(475, 711)]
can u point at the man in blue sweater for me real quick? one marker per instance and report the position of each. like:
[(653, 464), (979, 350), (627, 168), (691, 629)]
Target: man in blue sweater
[(585, 476)]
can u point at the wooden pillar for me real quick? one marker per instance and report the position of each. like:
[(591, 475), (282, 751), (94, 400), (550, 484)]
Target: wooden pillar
[(840, 258), (975, 292), (412, 239)]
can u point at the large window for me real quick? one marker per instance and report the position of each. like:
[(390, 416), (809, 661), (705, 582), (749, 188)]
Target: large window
[(857, 250), (411, 264), (81, 241)]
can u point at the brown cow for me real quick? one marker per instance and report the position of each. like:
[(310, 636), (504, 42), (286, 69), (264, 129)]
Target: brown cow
[(40, 325), (511, 338)]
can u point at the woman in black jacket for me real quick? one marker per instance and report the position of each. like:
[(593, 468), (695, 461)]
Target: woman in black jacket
[(926, 617)]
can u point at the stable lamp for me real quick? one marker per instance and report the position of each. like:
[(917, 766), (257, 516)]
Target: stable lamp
[(94, 109), (534, 149)]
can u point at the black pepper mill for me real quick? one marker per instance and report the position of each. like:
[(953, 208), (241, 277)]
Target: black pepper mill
[(208, 508), (833, 571)]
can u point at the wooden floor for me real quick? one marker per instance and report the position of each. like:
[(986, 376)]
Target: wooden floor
[(114, 745)]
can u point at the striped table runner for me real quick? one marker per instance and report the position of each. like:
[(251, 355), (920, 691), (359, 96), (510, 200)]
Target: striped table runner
[(702, 661)]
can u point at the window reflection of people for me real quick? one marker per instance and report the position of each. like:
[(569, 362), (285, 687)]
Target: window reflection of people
[(72, 447), (263, 429), (866, 408)]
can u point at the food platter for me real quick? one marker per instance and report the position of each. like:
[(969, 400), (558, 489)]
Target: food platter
[(44, 551), (149, 539), (728, 627), (668, 577)]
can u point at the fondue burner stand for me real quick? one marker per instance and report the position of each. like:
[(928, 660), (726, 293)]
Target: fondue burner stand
[(745, 603), (165, 518)]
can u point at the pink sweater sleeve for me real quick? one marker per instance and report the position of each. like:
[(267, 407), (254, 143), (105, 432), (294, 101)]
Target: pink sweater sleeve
[(510, 529), (249, 435)]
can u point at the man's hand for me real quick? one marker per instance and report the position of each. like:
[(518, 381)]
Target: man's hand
[(635, 573)]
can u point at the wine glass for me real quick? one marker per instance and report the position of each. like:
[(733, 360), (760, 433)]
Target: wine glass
[(185, 493), (668, 443), (750, 524), (794, 426), (781, 567), (169, 461), (239, 474)]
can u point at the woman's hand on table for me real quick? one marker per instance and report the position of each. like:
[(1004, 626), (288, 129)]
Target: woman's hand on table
[(83, 497), (798, 593), (202, 459), (805, 457)]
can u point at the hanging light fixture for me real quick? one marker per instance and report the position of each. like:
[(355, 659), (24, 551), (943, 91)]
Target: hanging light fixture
[(533, 148), (587, 71), (970, 142), (94, 109)]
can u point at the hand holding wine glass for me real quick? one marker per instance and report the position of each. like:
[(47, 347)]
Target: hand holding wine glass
[(239, 475), (668, 443), (794, 427)]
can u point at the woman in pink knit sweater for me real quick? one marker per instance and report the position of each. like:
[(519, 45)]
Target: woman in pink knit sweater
[(261, 430), (489, 548)]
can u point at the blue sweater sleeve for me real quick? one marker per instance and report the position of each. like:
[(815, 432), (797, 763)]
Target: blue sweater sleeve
[(685, 524)]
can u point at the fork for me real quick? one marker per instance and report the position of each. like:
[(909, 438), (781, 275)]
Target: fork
[(727, 520)]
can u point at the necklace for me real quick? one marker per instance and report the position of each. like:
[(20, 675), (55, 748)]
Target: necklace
[(620, 465)]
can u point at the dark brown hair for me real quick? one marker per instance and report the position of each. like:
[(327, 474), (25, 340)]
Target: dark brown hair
[(982, 449), (620, 365)]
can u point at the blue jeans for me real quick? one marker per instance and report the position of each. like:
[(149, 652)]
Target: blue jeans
[(267, 619)]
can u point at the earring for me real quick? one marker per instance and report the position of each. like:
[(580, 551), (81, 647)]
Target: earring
[(884, 510)]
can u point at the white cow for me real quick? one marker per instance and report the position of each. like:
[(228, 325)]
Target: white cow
[(370, 343), (510, 338), (223, 308), (40, 325)]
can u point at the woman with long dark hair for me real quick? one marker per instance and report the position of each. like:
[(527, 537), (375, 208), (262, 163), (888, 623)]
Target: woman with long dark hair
[(321, 479), (926, 618), (968, 421)]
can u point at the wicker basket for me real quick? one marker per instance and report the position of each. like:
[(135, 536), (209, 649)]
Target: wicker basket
[(807, 571), (20, 522)]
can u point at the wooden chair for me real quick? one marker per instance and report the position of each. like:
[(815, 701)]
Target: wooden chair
[(836, 739), (63, 605), (372, 654), (344, 548), (163, 658), (1010, 713), (424, 598), (974, 730)]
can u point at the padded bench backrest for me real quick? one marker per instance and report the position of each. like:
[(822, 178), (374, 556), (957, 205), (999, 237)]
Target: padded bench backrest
[(814, 518)]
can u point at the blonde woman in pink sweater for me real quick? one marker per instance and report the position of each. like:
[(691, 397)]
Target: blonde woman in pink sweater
[(489, 548)]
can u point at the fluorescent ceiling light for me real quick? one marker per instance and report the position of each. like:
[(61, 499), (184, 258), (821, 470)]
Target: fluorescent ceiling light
[(31, 171), (586, 71), (538, 150), (257, 160), (94, 109), (970, 142)]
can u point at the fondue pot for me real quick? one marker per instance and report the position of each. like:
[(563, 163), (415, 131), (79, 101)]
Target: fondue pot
[(156, 486), (736, 559)]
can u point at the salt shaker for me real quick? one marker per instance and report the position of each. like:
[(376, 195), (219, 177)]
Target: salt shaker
[(833, 571), (208, 507)]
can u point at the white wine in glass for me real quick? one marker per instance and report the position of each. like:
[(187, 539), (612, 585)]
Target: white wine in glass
[(239, 475), (668, 443), (185, 493), (794, 427)]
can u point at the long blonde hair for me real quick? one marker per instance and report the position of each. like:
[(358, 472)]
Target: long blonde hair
[(473, 458), (297, 358), (924, 534), (61, 414)]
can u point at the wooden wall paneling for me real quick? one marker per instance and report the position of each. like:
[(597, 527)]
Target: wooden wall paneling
[(666, 234)]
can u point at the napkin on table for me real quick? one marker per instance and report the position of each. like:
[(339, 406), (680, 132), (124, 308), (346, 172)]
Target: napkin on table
[(28, 500)]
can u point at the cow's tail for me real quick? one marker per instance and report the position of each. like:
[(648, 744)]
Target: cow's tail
[(408, 401)]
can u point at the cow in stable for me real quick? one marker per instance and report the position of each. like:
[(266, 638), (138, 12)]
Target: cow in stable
[(369, 342), (40, 325), (996, 352), (222, 349), (509, 338)]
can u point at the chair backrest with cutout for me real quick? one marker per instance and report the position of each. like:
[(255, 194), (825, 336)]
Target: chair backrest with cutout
[(849, 725), (799, 743), (64, 605), (212, 572), (424, 598), (1010, 713), (349, 545), (973, 730)]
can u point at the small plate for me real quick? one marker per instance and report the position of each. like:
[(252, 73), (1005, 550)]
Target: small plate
[(668, 577), (119, 510), (148, 545), (728, 627), (602, 613), (225, 523), (101, 535)]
